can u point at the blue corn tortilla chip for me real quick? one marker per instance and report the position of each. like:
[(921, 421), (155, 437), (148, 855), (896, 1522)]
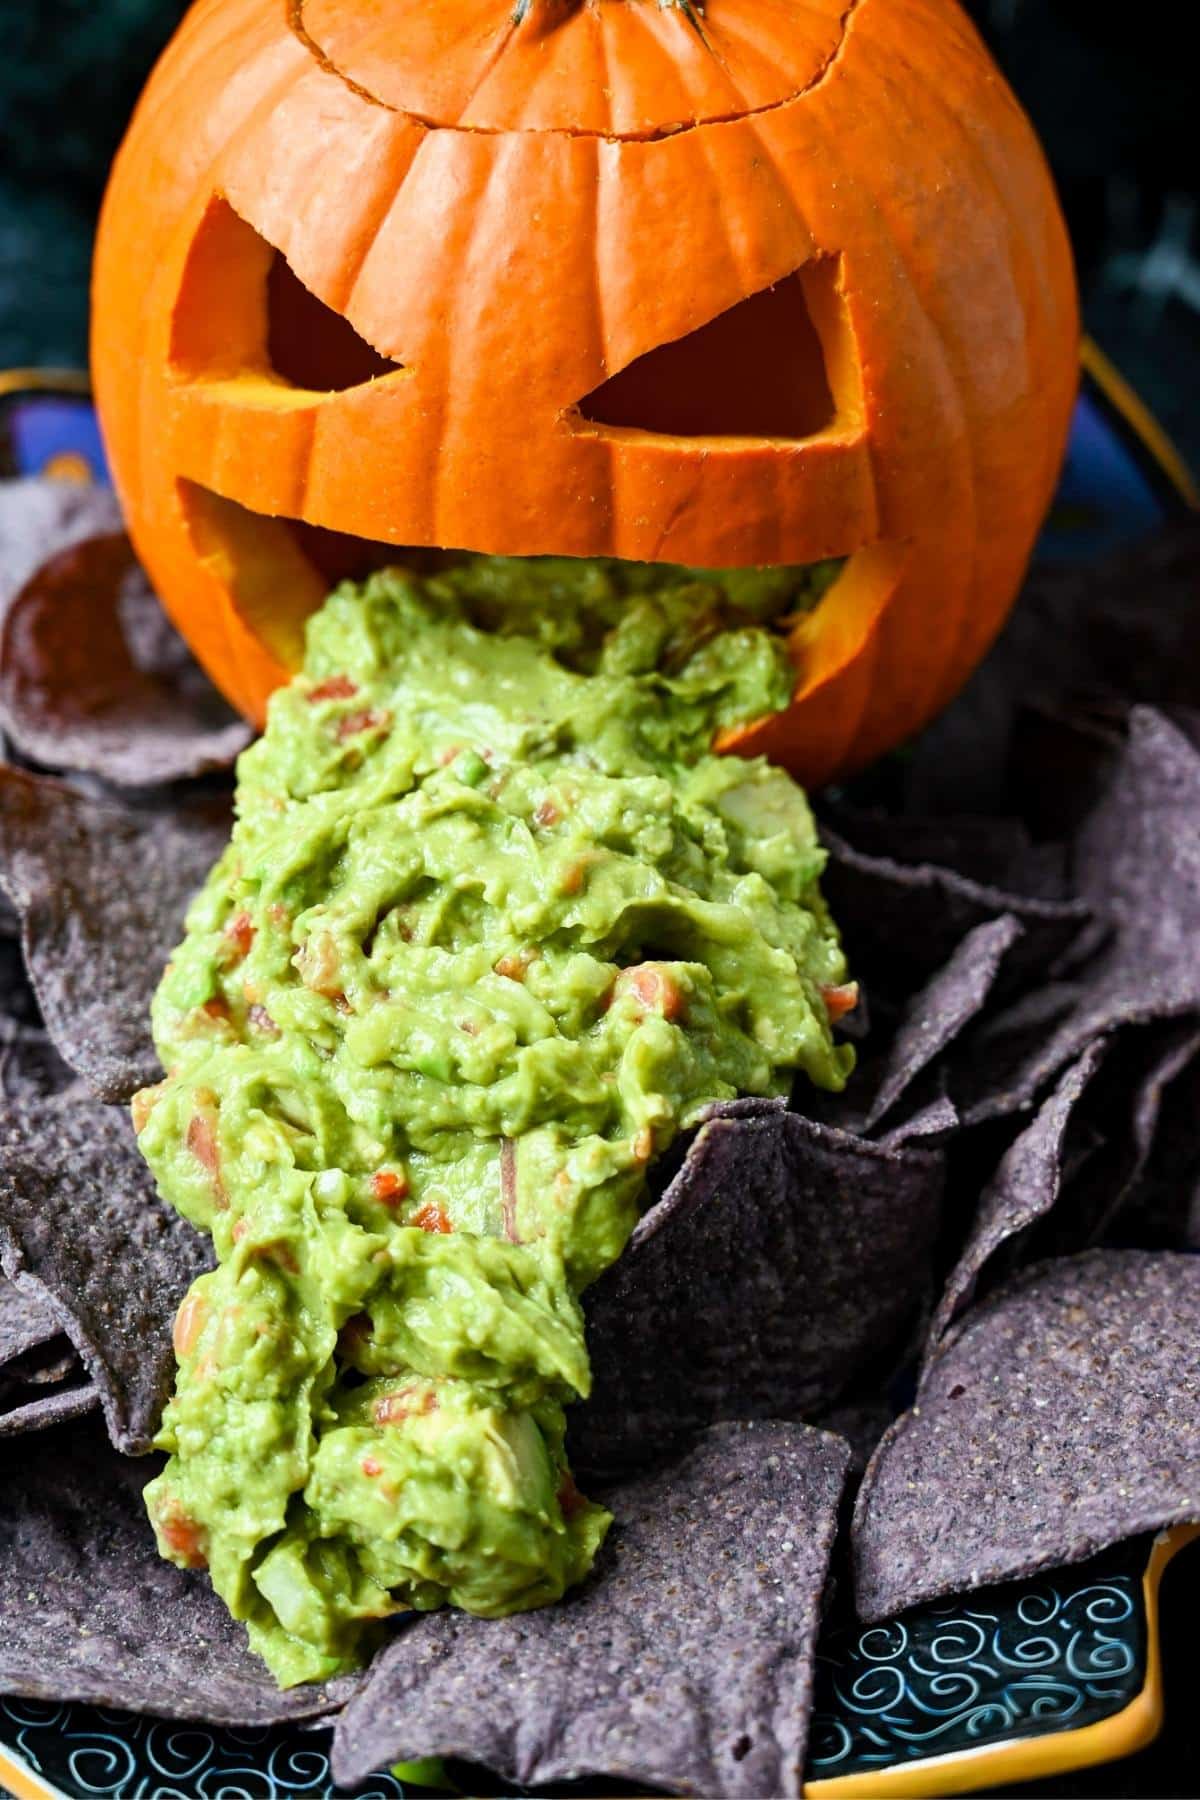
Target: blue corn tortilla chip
[(37, 1410), (902, 921), (91, 1611), (1125, 628), (40, 1375), (1155, 1199), (38, 518), (26, 1322), (685, 1662), (101, 891), (94, 679), (82, 1228), (1025, 1186), (784, 1260), (1136, 860), (29, 1063), (1116, 1129), (936, 1015), (1061, 1416)]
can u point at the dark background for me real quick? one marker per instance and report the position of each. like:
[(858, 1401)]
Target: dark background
[(1112, 89), (1115, 95)]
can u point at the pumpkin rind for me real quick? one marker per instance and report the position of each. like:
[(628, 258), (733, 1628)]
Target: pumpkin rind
[(541, 236)]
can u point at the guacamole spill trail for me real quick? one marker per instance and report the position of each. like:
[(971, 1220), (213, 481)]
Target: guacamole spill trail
[(493, 928)]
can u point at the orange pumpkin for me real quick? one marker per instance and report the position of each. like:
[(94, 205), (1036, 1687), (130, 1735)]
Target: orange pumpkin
[(753, 281)]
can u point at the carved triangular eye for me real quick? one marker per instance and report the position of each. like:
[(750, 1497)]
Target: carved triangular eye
[(241, 309), (757, 370), (309, 344)]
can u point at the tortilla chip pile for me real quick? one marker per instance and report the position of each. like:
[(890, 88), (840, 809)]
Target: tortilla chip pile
[(1004, 1202)]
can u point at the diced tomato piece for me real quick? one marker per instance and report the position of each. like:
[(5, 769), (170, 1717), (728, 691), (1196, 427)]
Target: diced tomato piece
[(571, 1501), (217, 1009), (840, 1000), (202, 1142), (405, 1403), (432, 1217), (372, 718), (189, 1323), (186, 1541), (143, 1104), (319, 967), (514, 965), (240, 932), (370, 1467), (277, 1251), (334, 687), (653, 989), (388, 1185)]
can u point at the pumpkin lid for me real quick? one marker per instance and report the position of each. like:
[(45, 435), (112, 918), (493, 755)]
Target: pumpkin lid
[(600, 68)]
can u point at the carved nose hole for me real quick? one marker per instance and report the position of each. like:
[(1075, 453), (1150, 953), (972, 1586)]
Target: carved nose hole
[(757, 370), (311, 346)]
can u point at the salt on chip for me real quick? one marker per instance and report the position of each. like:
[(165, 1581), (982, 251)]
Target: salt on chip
[(101, 890), (88, 684), (82, 1226), (685, 1661), (91, 1611), (1061, 1417), (784, 1259), (1024, 1188)]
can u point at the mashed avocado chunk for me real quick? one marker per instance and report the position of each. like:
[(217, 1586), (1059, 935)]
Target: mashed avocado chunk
[(494, 927)]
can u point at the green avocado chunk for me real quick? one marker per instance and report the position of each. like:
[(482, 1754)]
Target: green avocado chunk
[(493, 928)]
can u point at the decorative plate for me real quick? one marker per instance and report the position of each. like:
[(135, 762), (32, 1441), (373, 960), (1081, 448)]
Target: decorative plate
[(1030, 1679)]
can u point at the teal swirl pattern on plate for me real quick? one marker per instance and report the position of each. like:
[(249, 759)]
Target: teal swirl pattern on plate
[(85, 1751), (1048, 1654)]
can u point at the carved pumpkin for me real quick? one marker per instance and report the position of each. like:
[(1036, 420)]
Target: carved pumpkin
[(757, 281)]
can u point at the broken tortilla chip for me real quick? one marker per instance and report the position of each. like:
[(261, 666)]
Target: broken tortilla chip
[(101, 891), (686, 1661), (1061, 1416), (82, 1227)]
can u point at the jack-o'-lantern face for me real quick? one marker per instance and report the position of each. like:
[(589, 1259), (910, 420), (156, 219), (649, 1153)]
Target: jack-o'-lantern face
[(770, 282)]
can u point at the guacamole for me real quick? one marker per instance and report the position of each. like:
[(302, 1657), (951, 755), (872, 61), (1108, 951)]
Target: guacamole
[(494, 927)]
